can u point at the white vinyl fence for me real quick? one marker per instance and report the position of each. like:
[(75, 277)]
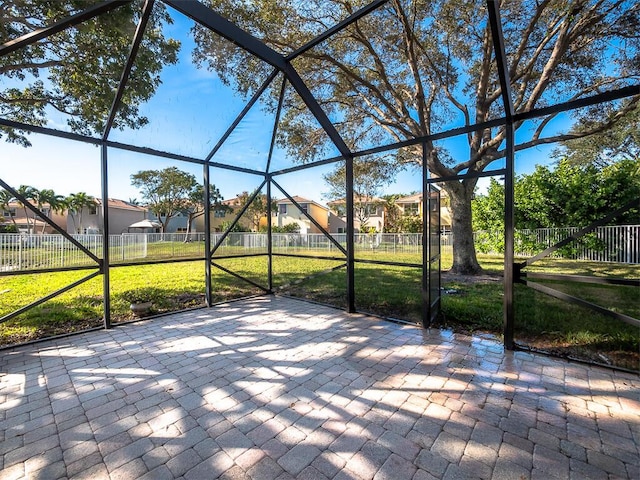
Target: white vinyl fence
[(619, 243), (32, 252)]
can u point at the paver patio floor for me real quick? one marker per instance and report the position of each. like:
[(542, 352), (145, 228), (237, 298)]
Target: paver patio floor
[(278, 388)]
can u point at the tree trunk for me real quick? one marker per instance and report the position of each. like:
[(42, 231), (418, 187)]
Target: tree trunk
[(26, 216), (73, 220), (465, 261), (187, 236)]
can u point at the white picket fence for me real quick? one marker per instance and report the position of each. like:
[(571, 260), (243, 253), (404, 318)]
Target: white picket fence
[(29, 252)]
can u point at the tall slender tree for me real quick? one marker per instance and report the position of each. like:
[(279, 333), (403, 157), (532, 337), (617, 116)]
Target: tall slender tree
[(393, 214), (194, 206), (5, 205), (76, 204), (29, 194), (48, 197), (258, 208), (370, 176)]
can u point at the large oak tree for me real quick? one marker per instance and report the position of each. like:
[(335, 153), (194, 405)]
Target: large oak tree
[(74, 74), (416, 67)]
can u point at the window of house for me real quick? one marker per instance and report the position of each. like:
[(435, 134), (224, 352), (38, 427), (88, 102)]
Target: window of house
[(93, 210), (411, 209), (341, 210), (305, 207), (282, 209), (219, 213), (340, 229), (9, 213), (371, 210)]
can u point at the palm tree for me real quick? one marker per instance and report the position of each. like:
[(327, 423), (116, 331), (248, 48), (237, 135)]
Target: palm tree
[(28, 193), (48, 197), (76, 203), (5, 200)]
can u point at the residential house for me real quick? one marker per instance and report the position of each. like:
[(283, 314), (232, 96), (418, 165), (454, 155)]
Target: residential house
[(89, 221), (226, 214), (32, 223), (369, 214), (121, 215), (411, 205), (288, 213), (177, 224)]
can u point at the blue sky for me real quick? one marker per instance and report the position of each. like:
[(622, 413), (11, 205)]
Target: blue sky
[(188, 114)]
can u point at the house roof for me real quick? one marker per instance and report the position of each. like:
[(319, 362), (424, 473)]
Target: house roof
[(296, 198), (357, 198), (113, 203), (17, 205), (233, 202), (23, 221), (121, 204), (300, 200), (416, 197)]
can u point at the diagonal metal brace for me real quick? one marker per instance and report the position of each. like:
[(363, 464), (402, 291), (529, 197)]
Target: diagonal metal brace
[(313, 220), (237, 219), (217, 23), (258, 93), (48, 297), (47, 220), (133, 51), (578, 301), (633, 203), (240, 277), (39, 34)]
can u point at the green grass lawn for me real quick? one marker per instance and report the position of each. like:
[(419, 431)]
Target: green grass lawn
[(391, 291)]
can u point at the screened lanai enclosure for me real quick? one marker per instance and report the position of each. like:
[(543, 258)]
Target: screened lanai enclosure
[(285, 136)]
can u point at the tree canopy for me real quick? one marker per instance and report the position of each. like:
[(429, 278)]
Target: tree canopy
[(566, 195), (194, 205), (165, 192), (171, 191), (76, 204), (257, 210), (74, 74), (413, 68), (621, 141), (370, 176)]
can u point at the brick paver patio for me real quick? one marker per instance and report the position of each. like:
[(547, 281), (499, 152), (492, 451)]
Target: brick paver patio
[(277, 388)]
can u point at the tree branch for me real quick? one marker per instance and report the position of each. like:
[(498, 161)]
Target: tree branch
[(412, 61), (382, 72), (4, 69), (524, 39)]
